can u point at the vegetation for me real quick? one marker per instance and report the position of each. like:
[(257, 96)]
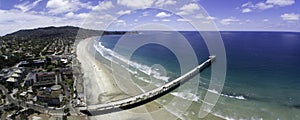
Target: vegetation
[(34, 44)]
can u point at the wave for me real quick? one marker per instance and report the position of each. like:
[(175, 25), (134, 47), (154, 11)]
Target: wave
[(186, 96), (196, 98), (111, 55), (240, 97)]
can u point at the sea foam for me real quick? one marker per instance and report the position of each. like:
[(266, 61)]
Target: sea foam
[(111, 55)]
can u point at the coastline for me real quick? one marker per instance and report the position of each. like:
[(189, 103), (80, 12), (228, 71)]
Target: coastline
[(100, 87)]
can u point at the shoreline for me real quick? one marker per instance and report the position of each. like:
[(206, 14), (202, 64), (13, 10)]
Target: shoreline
[(105, 89)]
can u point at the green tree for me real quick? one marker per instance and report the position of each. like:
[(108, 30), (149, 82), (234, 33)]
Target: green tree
[(50, 68)]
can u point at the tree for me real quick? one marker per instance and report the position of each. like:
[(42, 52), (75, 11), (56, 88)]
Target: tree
[(50, 68)]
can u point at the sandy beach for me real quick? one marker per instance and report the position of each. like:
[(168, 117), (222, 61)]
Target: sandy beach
[(100, 88)]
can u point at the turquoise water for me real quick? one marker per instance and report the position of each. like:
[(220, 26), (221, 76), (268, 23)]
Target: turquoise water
[(263, 70)]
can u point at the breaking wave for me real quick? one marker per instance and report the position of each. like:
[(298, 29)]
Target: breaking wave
[(111, 55)]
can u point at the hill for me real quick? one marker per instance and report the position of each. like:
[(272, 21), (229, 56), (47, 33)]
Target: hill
[(65, 32)]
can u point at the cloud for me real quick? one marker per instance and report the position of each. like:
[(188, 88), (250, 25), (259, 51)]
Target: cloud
[(201, 16), (281, 2), (64, 6), (182, 20), (82, 15), (246, 10), (103, 6), (161, 3), (290, 16), (120, 21), (166, 20), (24, 7), (136, 3), (263, 6), (268, 4), (122, 12), (265, 20), (188, 8), (210, 18), (69, 15), (145, 13), (162, 15), (229, 20), (19, 20)]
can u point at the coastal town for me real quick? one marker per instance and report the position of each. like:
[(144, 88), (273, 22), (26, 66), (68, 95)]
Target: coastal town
[(40, 78)]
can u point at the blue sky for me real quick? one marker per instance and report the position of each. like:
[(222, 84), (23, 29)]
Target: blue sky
[(245, 15)]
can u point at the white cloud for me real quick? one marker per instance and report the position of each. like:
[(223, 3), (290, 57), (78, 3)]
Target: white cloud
[(268, 4), (24, 7), (103, 6), (182, 20), (166, 20), (290, 16), (263, 6), (69, 15), (162, 15), (18, 20), (210, 18), (82, 15), (145, 13), (161, 3), (120, 21), (247, 4), (122, 12), (136, 3), (72, 15), (201, 16), (281, 2), (229, 20), (65, 6), (188, 8), (246, 10), (265, 20)]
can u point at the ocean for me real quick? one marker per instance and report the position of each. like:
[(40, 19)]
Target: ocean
[(262, 79)]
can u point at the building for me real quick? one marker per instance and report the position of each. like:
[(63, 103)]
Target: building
[(50, 97), (30, 78), (12, 76), (66, 71), (24, 64), (39, 62), (45, 79)]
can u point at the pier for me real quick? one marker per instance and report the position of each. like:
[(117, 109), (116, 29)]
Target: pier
[(145, 97)]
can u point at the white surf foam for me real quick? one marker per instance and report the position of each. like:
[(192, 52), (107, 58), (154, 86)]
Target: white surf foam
[(230, 96), (111, 55), (185, 95)]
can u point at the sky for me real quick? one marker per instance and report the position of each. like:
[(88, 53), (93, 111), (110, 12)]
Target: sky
[(223, 15)]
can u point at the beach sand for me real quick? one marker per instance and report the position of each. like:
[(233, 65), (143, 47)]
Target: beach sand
[(100, 88)]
